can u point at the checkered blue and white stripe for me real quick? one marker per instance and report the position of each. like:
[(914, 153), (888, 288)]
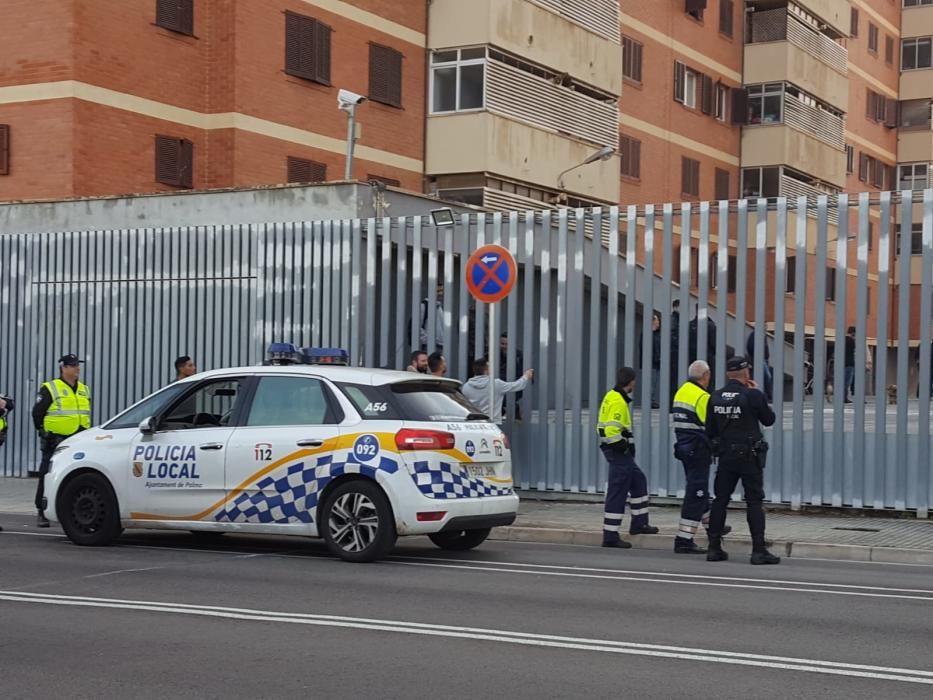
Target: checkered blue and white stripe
[(444, 480), (291, 494)]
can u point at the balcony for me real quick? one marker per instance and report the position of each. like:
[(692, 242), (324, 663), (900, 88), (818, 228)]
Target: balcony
[(914, 146), (599, 16), (536, 32), (781, 47), (917, 21)]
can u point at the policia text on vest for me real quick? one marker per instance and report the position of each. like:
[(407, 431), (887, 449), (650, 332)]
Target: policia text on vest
[(62, 408), (625, 477)]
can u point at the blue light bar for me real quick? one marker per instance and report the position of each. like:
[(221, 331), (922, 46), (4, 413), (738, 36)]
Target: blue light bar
[(283, 354), (326, 356)]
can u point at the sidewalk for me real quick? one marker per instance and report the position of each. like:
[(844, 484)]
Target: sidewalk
[(842, 536)]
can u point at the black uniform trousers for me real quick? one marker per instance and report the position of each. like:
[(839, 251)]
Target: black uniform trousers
[(48, 446), (750, 471), (696, 459)]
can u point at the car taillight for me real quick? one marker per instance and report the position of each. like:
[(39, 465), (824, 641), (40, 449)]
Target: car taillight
[(432, 516), (505, 441), (411, 439)]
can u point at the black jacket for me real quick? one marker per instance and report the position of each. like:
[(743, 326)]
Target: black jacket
[(736, 413)]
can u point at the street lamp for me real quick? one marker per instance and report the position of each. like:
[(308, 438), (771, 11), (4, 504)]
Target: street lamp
[(604, 153), (347, 102)]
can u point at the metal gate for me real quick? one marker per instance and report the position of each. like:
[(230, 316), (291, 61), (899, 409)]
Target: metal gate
[(786, 273)]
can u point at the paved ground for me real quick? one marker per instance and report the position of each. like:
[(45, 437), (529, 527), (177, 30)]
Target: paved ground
[(160, 616)]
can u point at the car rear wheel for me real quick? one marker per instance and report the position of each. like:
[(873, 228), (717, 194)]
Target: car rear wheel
[(357, 523), (88, 511), (460, 540)]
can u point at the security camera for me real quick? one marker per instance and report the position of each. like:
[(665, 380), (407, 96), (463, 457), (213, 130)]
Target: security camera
[(345, 98)]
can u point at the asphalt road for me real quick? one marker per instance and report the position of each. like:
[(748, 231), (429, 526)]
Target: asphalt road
[(164, 616)]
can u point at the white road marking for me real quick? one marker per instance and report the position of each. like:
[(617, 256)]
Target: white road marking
[(904, 675)]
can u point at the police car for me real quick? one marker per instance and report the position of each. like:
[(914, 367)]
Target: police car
[(355, 456)]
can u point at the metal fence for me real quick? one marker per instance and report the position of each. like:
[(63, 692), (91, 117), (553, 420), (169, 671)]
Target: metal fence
[(129, 301)]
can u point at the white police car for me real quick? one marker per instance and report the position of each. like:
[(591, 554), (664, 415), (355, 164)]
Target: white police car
[(356, 456)]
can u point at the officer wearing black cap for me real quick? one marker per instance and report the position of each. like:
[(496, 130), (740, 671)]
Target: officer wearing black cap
[(734, 418), (62, 408)]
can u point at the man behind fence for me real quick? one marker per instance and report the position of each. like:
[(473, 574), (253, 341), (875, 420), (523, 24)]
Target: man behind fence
[(618, 445), (735, 416)]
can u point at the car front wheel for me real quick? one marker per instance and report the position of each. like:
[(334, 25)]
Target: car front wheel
[(460, 540), (357, 523), (88, 511)]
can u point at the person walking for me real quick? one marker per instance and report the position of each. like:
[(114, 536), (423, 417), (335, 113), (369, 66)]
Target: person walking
[(849, 359), (735, 415), (62, 409), (626, 479), (692, 448), (6, 405), (476, 389)]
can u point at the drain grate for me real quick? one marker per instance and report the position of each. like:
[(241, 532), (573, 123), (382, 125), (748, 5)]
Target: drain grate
[(858, 529)]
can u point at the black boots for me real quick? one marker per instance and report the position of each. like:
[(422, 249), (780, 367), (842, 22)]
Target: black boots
[(763, 556), (716, 552), (617, 544), (41, 520), (644, 530), (682, 546)]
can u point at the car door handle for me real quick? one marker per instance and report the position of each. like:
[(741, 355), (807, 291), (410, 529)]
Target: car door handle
[(310, 442), (212, 446)]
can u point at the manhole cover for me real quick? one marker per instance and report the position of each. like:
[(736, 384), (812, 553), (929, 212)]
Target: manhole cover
[(858, 529)]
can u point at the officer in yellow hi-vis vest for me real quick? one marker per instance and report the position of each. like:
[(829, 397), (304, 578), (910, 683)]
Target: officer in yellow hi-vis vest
[(6, 405), (62, 409), (694, 450), (618, 445)]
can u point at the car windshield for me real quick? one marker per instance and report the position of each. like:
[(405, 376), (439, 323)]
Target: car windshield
[(149, 406), (433, 401)]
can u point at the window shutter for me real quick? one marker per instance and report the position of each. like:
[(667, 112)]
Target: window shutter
[(731, 283), (4, 149), (706, 96), (680, 71), (690, 177), (186, 164), (739, 106), (321, 50), (889, 49), (726, 14), (176, 15), (854, 23), (385, 75), (877, 178), (863, 167), (174, 161), (186, 16), (631, 157), (304, 170), (293, 44), (722, 184), (635, 154), (695, 5), (890, 113)]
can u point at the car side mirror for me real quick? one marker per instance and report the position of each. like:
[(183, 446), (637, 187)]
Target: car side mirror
[(147, 426)]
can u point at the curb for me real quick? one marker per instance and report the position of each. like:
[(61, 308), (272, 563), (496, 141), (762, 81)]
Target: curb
[(790, 550)]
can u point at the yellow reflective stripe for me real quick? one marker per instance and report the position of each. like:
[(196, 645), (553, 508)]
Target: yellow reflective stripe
[(610, 440)]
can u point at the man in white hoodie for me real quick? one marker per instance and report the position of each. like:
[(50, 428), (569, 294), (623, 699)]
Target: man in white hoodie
[(476, 390)]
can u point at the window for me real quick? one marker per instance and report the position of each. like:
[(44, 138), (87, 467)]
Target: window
[(872, 38), (722, 184), (765, 103), (871, 235), (176, 15), (913, 176), (877, 174), (880, 109), (865, 165), (761, 182), (210, 405), (385, 75), (830, 284), (304, 170), (722, 102), (391, 182), (790, 276), (731, 276), (307, 48), (174, 161), (916, 239), (915, 114), (371, 402), (4, 149), (853, 31), (685, 85), (695, 8), (726, 17), (850, 158), (707, 95), (889, 49), (690, 177), (917, 3), (631, 157), (917, 53), (632, 52), (283, 401), (457, 80), (429, 401), (148, 407)]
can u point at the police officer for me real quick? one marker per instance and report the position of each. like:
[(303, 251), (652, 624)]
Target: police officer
[(618, 445), (735, 416), (693, 449), (62, 409), (6, 405)]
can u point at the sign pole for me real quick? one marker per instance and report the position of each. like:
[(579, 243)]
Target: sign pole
[(492, 365)]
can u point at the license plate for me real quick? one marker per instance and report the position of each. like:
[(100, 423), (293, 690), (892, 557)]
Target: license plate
[(479, 471)]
